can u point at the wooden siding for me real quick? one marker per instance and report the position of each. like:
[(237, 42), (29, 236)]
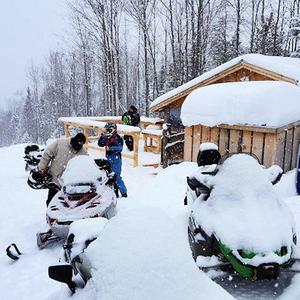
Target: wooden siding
[(270, 145)]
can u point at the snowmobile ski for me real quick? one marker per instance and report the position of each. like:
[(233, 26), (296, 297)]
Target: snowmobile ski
[(13, 252)]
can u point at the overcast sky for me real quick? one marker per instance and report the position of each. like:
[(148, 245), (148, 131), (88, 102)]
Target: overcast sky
[(28, 30)]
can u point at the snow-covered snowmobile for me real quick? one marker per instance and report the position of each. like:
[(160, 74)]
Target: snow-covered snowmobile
[(32, 157), (87, 192), (237, 221), (75, 267)]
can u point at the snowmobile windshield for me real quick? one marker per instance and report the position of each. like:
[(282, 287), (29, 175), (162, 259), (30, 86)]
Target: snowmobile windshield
[(83, 188), (244, 210), (226, 156)]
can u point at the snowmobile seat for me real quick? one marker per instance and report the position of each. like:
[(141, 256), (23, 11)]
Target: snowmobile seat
[(208, 157), (103, 164)]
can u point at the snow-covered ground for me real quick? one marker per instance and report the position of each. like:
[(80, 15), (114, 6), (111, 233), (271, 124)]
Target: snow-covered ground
[(142, 254)]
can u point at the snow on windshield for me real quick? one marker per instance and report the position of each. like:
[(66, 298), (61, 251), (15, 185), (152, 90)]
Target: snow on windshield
[(244, 210), (81, 169)]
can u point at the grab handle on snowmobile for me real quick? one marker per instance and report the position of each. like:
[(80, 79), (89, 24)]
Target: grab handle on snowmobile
[(10, 254)]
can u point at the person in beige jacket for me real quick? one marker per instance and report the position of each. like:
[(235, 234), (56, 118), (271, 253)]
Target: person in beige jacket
[(56, 157)]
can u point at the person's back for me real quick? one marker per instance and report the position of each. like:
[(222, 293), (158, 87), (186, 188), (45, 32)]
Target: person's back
[(132, 118)]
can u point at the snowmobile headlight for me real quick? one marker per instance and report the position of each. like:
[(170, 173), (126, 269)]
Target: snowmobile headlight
[(246, 254)]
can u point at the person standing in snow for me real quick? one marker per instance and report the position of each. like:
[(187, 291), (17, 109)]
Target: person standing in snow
[(113, 144), (56, 157), (132, 118)]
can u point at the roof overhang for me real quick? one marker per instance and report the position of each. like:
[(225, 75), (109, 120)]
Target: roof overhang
[(240, 65)]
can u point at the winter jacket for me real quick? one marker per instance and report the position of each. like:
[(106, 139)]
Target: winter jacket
[(114, 147), (57, 156), (133, 117)]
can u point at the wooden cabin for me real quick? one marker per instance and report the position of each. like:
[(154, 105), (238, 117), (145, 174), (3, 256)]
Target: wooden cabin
[(261, 118), (249, 67)]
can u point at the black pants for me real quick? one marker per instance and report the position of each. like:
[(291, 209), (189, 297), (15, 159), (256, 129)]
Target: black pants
[(129, 142), (51, 193)]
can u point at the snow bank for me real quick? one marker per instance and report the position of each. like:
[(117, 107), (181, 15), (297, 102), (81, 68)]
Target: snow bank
[(81, 169), (261, 103), (287, 66), (244, 210), (141, 255)]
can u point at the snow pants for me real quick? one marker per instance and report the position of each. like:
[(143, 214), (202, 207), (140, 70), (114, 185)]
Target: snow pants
[(115, 161)]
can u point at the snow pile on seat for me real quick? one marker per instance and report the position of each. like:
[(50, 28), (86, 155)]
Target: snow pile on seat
[(81, 169), (141, 254), (244, 210), (208, 146), (259, 103)]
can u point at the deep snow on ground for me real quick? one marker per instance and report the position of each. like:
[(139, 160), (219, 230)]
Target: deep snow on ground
[(151, 259), (23, 214)]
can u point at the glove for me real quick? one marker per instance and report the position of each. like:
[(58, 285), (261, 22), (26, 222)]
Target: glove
[(42, 172), (109, 152)]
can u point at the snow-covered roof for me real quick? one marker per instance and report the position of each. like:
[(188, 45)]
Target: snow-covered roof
[(257, 103), (284, 66)]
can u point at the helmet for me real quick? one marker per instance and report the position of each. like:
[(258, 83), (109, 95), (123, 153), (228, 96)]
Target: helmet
[(110, 128), (36, 181)]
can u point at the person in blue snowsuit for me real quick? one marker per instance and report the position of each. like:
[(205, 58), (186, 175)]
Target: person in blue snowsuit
[(113, 144)]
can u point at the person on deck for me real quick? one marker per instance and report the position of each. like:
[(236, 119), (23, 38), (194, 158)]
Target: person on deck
[(113, 144), (132, 118), (56, 157)]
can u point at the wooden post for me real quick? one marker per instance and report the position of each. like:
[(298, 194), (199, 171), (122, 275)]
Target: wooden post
[(136, 138), (188, 143), (86, 134), (66, 129)]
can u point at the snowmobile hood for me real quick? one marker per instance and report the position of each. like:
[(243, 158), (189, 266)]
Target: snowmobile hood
[(243, 210)]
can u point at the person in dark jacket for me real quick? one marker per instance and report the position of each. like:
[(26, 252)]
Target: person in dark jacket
[(113, 144), (132, 118)]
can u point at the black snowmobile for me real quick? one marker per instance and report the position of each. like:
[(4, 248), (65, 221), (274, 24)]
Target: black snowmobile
[(209, 192), (32, 157)]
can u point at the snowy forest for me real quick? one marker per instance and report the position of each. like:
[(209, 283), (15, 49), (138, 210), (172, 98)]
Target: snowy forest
[(131, 51)]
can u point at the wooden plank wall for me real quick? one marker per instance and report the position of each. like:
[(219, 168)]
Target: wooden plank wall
[(270, 148)]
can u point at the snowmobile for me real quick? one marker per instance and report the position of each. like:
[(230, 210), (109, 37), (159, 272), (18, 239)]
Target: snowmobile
[(32, 157), (79, 199), (75, 267), (236, 219)]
